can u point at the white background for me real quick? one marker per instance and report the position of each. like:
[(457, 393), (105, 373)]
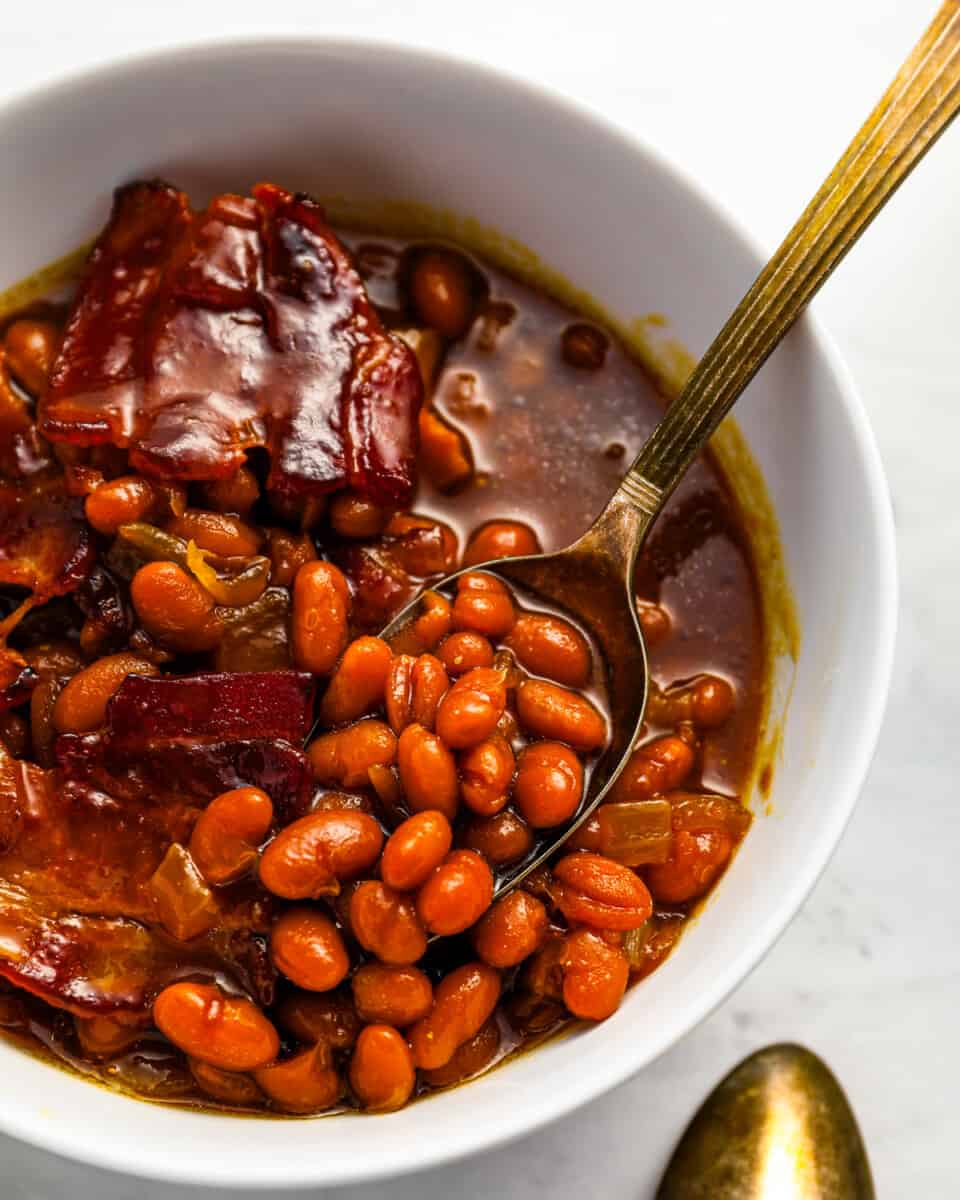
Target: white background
[(756, 98)]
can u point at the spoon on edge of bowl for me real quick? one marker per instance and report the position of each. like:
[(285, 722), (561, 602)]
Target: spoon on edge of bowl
[(592, 580)]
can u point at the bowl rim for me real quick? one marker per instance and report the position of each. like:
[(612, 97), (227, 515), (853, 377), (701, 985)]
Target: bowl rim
[(125, 1158)]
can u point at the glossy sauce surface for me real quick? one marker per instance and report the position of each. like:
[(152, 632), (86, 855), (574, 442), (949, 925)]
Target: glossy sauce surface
[(552, 441), (549, 441)]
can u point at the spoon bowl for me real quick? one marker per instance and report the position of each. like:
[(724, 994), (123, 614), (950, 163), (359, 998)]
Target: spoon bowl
[(593, 579), (591, 582)]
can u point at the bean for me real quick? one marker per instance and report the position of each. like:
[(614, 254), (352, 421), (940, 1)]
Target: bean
[(321, 603), (295, 510), (601, 893), (225, 1031), (469, 1059), (320, 1017), (486, 771), (30, 347), (430, 685), (584, 346), (229, 1087), (465, 650), (354, 516), (707, 702), (660, 766), (542, 976), (82, 705), (512, 930), (345, 757), (469, 712), (391, 995), (414, 849), (306, 946), (550, 711), (428, 772), (483, 605), (713, 701), (311, 856), (421, 545), (654, 622), (226, 536), (235, 494), (694, 863), (434, 620), (346, 801), (500, 539), (502, 840), (399, 692), (224, 841), (357, 685), (456, 894), (551, 646), (288, 552), (385, 922), (595, 975), (382, 1073), (174, 609), (118, 502), (103, 1037), (462, 1003), (443, 290), (587, 836), (414, 689), (445, 455), (549, 784), (305, 1083)]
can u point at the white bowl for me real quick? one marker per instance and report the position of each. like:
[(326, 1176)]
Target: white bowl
[(372, 121)]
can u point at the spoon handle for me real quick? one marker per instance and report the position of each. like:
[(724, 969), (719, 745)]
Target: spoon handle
[(922, 100)]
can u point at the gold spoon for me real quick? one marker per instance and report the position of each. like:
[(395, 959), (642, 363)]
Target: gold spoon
[(778, 1127), (592, 579)]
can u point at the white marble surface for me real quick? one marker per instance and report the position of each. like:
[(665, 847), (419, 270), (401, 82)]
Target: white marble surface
[(757, 99)]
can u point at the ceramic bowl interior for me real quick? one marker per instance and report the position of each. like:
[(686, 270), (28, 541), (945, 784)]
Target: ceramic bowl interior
[(377, 123)]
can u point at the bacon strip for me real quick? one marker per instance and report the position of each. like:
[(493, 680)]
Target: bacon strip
[(244, 704), (96, 383), (77, 919), (45, 545), (197, 338), (195, 770)]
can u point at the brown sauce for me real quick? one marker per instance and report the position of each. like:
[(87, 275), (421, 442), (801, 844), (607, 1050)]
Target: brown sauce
[(550, 441)]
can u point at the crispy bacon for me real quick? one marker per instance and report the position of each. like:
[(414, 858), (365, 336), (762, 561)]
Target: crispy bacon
[(195, 338), (22, 451), (77, 915), (45, 546), (176, 741), (196, 770), (96, 384), (254, 704), (115, 966)]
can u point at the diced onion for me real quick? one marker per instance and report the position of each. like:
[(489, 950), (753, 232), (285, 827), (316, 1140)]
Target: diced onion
[(636, 832), (233, 591), (184, 904), (698, 812)]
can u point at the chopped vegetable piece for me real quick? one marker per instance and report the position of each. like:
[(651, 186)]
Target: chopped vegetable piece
[(185, 905), (636, 832)]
